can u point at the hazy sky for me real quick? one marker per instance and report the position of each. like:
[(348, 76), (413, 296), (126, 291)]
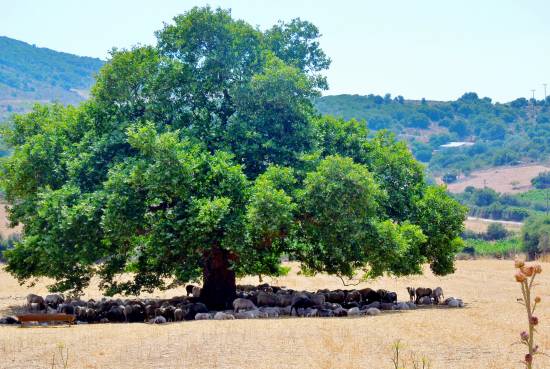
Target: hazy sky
[(426, 48)]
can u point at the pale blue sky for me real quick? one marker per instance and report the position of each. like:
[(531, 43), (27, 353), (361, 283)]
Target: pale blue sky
[(426, 48)]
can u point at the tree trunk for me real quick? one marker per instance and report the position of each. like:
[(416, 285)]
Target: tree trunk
[(219, 289)]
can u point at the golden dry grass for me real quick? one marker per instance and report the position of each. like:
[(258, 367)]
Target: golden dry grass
[(479, 336), (503, 179), (480, 225)]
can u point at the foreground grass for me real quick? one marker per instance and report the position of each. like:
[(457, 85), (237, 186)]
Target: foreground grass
[(481, 335)]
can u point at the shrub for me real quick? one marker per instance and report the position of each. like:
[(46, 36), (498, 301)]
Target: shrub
[(535, 236), (449, 177), (485, 197), (496, 231), (542, 180)]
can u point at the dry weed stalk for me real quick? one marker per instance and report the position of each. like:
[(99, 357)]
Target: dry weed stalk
[(398, 363), (63, 356), (525, 275)]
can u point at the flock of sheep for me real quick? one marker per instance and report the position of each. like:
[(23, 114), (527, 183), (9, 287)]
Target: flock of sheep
[(262, 301)]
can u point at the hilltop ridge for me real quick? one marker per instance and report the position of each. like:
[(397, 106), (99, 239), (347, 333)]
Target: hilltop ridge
[(31, 74)]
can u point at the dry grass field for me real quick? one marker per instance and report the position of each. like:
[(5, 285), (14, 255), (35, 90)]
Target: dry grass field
[(481, 335), (479, 225), (503, 179)]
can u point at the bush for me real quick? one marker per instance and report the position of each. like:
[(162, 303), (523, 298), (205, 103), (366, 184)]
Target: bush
[(496, 231), (449, 178), (535, 236), (542, 180), (485, 197)]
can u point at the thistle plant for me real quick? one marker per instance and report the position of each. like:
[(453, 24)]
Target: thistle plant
[(525, 275)]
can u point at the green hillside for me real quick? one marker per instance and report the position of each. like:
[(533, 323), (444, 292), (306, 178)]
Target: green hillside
[(31, 74), (502, 134)]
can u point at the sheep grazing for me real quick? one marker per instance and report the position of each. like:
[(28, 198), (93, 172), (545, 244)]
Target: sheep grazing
[(412, 294), (337, 296), (437, 295), (35, 307), (35, 299), (54, 300), (421, 292), (325, 313), (373, 311), (301, 301), (272, 312), (192, 309), (241, 304), (127, 312), (310, 312), (353, 296), (65, 308), (369, 295), (284, 300), (196, 291), (387, 296), (424, 300), (340, 312), (137, 314), (252, 302), (203, 316), (116, 314), (178, 315), (249, 314), (167, 311), (266, 299), (402, 306), (317, 298), (9, 320), (455, 303), (220, 315), (158, 320)]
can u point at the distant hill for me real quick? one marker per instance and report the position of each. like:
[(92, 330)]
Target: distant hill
[(502, 134), (31, 74), (497, 134)]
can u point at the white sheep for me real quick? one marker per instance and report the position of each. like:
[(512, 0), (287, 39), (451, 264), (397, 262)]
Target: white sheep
[(243, 305), (196, 291), (203, 316), (220, 315)]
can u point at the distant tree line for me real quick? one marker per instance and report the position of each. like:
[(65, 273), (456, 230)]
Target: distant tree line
[(504, 134), (489, 204)]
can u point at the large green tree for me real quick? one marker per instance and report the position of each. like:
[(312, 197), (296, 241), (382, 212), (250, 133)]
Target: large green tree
[(203, 158)]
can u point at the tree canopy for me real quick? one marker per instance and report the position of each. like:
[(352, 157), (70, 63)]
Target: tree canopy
[(203, 157), (535, 236)]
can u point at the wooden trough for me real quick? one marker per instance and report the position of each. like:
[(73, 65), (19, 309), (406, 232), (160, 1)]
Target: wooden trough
[(25, 319)]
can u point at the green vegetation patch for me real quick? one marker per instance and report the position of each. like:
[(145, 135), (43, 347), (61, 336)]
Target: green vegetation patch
[(504, 247)]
